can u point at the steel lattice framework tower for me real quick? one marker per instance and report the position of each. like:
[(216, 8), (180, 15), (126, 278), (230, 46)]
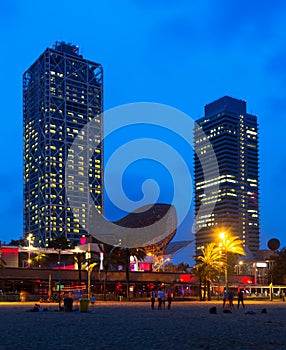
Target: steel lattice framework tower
[(62, 92), (233, 134)]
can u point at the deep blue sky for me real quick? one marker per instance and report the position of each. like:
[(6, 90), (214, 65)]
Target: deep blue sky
[(181, 53)]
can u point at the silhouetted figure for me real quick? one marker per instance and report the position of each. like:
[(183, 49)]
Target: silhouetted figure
[(230, 296), (170, 296), (224, 297), (240, 299), (92, 299), (153, 298), (160, 299), (163, 295)]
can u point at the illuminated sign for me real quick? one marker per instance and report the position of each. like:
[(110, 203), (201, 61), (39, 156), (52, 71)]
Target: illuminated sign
[(261, 264)]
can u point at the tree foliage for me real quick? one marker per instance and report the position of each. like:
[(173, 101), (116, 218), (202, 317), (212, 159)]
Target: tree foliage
[(125, 254), (229, 246), (59, 243), (208, 269), (110, 258), (278, 270), (232, 244), (40, 258), (79, 259), (181, 267), (18, 242), (214, 259)]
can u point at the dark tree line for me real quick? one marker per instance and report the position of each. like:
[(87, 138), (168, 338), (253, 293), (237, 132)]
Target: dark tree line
[(278, 270)]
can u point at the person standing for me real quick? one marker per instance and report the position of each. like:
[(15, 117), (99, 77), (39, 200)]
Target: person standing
[(160, 299), (153, 298), (230, 296), (92, 299), (163, 298), (240, 299), (224, 297), (170, 296)]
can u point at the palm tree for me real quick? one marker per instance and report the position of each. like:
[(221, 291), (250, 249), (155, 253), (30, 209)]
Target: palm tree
[(110, 257), (199, 271), (208, 269), (79, 259), (59, 243), (229, 245), (40, 257), (125, 254)]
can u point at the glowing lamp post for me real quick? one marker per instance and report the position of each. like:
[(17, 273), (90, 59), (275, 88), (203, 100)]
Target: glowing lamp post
[(29, 239), (222, 236)]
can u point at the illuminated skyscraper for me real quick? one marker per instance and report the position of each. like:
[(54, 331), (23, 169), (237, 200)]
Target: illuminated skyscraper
[(62, 93), (234, 191)]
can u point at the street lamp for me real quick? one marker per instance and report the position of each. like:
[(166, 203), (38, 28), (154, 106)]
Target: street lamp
[(222, 236), (29, 239)]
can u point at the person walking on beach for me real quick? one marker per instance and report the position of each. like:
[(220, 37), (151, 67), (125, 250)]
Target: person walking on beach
[(92, 299), (170, 296), (163, 298), (160, 299), (224, 297), (240, 299), (153, 298), (230, 296)]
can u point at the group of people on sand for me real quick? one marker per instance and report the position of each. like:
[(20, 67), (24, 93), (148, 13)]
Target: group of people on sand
[(229, 296), (162, 295)]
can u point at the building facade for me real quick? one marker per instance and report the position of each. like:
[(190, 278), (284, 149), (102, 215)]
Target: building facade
[(62, 92), (233, 190)]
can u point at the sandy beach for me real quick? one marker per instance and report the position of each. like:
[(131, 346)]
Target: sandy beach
[(133, 325)]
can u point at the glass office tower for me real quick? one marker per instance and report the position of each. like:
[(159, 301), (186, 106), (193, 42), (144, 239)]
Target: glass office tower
[(234, 191), (62, 92)]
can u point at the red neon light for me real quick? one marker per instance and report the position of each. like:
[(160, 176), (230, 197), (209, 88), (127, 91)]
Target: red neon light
[(66, 267), (82, 240), (9, 250), (144, 266), (188, 278), (246, 280)]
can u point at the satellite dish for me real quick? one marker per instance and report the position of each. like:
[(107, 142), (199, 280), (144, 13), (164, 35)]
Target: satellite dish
[(273, 244)]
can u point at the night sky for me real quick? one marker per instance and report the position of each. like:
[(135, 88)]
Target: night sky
[(181, 53)]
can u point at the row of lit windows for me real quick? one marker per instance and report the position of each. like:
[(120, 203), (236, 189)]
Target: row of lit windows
[(206, 225), (199, 222), (228, 194), (56, 73), (251, 132), (54, 219), (215, 183), (216, 178), (54, 207)]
